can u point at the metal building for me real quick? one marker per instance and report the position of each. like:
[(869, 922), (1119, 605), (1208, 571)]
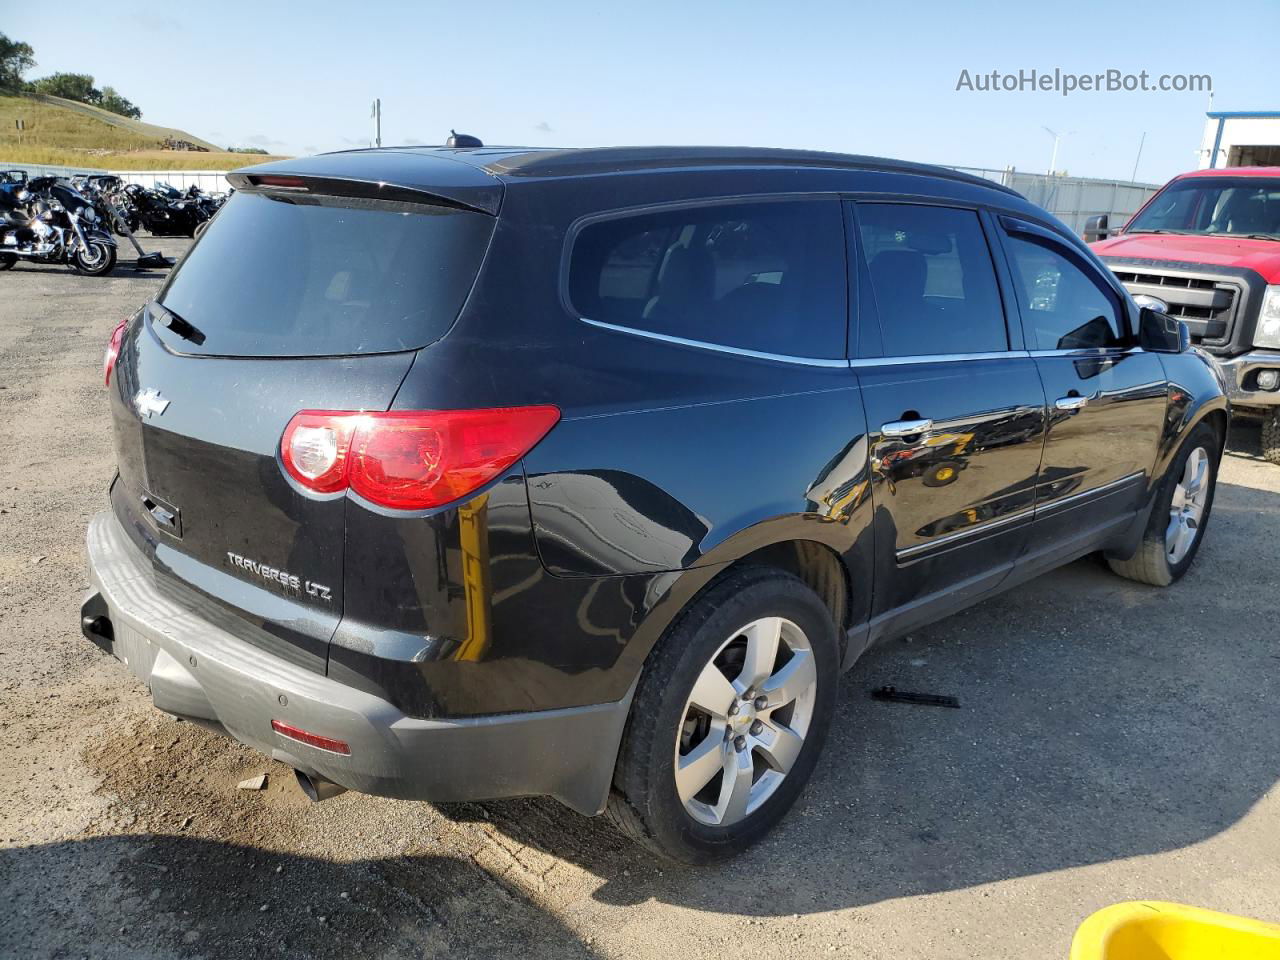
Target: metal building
[(1241, 139)]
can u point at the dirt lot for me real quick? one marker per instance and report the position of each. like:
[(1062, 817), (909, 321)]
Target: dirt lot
[(1116, 742)]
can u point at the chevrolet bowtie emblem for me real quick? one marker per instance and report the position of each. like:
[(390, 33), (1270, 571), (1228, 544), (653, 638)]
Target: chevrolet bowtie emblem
[(149, 402)]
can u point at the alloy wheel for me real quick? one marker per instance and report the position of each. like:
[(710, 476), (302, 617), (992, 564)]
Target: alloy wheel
[(745, 721), (1187, 506)]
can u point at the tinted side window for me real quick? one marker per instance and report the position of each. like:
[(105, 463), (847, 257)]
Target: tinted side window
[(1063, 306), (934, 283), (766, 276)]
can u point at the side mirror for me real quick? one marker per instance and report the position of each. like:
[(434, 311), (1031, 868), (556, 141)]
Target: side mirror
[(1160, 333), (1096, 228)]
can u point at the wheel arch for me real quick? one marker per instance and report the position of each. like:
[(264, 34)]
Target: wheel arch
[(816, 563)]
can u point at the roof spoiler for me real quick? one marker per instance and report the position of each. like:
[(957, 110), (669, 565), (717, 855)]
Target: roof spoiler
[(343, 187), (389, 175)]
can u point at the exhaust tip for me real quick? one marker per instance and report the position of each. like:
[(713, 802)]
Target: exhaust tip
[(317, 788)]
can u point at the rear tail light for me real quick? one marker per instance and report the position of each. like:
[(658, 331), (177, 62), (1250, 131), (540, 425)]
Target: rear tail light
[(410, 460), (113, 351)]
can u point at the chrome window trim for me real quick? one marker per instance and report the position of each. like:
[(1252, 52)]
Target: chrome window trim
[(717, 347), (1087, 353), (937, 358)]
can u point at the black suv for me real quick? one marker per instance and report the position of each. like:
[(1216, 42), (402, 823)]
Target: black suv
[(475, 473)]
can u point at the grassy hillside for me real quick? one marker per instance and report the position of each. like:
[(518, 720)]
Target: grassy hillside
[(75, 134)]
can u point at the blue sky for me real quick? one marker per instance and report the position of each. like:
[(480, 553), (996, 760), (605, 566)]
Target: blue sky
[(877, 78)]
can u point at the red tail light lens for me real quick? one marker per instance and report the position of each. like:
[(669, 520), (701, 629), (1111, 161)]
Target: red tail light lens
[(410, 460), (113, 352), (312, 739)]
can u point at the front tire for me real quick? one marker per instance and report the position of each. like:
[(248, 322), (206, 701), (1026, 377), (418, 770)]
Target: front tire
[(1179, 515), (1271, 436), (728, 719), (97, 261), (7, 260)]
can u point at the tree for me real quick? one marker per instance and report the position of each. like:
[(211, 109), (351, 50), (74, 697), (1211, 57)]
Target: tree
[(111, 100), (16, 58), (69, 86)]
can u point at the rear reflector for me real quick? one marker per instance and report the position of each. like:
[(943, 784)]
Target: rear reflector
[(113, 351), (410, 460), (311, 739)]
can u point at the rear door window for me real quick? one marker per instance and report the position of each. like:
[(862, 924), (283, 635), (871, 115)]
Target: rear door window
[(1064, 306), (287, 276), (766, 276), (934, 284)]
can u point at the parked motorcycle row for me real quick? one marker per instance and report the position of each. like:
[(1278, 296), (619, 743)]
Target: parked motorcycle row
[(162, 210), (71, 221)]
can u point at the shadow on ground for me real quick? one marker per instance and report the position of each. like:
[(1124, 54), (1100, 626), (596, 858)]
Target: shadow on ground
[(1101, 720), (161, 896), (1245, 440)]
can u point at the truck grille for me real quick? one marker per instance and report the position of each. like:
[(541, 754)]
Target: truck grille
[(1207, 305)]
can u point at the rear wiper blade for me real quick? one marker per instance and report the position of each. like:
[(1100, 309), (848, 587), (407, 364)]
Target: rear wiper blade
[(167, 318)]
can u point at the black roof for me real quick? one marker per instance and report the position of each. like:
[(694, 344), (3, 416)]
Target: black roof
[(586, 161), (549, 162), (473, 176)]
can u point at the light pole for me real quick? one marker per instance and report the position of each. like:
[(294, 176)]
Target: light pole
[(377, 122), (1053, 160)]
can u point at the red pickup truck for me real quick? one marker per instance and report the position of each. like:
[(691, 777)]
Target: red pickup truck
[(1207, 246)]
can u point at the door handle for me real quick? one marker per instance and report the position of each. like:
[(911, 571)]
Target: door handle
[(906, 428), (1071, 404)]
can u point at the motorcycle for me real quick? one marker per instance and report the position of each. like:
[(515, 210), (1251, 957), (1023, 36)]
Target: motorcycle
[(113, 205), (163, 215), (46, 220)]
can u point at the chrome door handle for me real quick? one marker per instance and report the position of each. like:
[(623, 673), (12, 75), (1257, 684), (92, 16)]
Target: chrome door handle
[(1071, 404), (906, 428)]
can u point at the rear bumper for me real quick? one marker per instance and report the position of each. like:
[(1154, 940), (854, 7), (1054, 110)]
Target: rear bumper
[(199, 671), (1240, 374)]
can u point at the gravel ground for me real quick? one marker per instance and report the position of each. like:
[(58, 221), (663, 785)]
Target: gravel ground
[(1115, 742)]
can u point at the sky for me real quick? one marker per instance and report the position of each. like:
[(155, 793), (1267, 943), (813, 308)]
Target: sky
[(872, 78)]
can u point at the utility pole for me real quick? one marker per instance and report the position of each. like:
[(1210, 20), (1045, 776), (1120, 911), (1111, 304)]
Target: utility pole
[(1053, 160), (377, 122), (1134, 175)]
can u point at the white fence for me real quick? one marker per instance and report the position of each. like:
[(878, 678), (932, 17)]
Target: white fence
[(48, 170), (210, 181)]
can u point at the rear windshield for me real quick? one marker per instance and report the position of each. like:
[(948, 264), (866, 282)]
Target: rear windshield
[(288, 276)]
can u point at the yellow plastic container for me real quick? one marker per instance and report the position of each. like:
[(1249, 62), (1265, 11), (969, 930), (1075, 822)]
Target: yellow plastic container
[(1152, 930)]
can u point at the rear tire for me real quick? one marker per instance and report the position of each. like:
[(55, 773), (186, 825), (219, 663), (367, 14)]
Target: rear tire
[(7, 260), (723, 734), (1180, 513), (1271, 436)]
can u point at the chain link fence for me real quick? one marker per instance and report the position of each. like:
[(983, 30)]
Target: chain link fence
[(1073, 199)]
